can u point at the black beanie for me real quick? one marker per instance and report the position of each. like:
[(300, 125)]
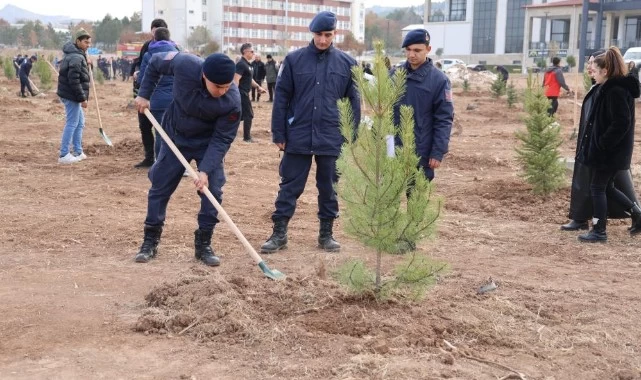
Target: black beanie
[(219, 68)]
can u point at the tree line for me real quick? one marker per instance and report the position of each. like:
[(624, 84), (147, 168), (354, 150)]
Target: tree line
[(105, 34)]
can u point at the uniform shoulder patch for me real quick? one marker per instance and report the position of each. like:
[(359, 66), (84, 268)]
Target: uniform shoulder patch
[(234, 116), (448, 95), (169, 56)]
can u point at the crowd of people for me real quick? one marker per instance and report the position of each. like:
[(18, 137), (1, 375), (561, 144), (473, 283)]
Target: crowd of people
[(200, 104)]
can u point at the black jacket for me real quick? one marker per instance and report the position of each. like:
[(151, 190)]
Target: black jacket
[(580, 197), (73, 77), (259, 71), (609, 130)]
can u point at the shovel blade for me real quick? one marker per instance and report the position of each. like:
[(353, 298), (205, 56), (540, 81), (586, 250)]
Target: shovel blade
[(104, 137), (274, 274)]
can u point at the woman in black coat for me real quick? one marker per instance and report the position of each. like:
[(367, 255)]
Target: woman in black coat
[(580, 200), (607, 143)]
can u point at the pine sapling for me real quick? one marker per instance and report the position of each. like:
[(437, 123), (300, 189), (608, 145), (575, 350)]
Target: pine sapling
[(539, 151), (9, 68), (466, 85), (512, 95), (44, 73), (498, 87), (378, 209)]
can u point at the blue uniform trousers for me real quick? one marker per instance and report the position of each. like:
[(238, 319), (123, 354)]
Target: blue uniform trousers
[(165, 175), (294, 170)]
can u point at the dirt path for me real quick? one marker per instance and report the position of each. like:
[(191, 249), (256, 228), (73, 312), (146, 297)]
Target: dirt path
[(72, 298)]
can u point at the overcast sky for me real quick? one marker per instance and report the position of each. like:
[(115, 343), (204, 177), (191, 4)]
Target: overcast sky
[(97, 9)]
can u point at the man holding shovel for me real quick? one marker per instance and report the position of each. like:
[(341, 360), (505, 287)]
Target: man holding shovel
[(25, 70), (202, 120)]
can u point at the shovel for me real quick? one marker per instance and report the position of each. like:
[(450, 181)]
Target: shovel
[(271, 273), (95, 96)]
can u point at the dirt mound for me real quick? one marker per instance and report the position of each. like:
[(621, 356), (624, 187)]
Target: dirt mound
[(459, 73)]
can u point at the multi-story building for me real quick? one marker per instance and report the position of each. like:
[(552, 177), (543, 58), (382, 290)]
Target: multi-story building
[(272, 26), (520, 31)]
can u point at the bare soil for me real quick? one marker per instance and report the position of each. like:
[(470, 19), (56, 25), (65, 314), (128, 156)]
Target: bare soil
[(76, 306)]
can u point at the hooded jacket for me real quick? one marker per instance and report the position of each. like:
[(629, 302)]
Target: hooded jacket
[(553, 81), (609, 130), (73, 77), (194, 118), (161, 96)]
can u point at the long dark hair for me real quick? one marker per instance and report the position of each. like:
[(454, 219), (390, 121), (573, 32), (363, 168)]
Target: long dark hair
[(612, 61)]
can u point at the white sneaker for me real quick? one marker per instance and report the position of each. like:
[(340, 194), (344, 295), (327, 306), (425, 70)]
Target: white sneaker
[(68, 159), (81, 156)]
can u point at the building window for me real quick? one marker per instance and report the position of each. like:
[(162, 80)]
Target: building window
[(484, 27), (204, 16), (161, 12), (458, 10), (560, 32), (204, 2), (515, 23), (191, 12)]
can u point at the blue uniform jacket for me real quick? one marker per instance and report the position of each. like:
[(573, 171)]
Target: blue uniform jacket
[(430, 95), (194, 118), (305, 113), (161, 97), (25, 69)]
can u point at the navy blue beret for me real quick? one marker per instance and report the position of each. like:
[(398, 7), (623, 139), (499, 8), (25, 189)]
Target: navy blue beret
[(219, 68), (416, 36), (324, 21)]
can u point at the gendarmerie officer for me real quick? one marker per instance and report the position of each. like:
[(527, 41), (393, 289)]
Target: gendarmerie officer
[(305, 124), (202, 120)]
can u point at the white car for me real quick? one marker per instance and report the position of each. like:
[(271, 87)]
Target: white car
[(448, 62)]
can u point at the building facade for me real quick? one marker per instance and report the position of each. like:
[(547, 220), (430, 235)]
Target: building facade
[(272, 26), (520, 31)]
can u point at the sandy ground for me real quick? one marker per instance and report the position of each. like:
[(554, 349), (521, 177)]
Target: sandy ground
[(76, 306)]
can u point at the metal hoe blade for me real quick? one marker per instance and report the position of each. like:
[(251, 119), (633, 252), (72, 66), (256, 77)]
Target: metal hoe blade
[(105, 137), (274, 274)]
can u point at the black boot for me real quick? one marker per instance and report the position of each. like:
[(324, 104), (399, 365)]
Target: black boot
[(325, 239), (635, 214), (204, 253), (597, 233), (278, 240), (149, 247), (575, 225), (148, 146)]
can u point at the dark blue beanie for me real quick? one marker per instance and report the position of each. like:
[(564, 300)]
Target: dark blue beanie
[(324, 21), (219, 68), (416, 36)]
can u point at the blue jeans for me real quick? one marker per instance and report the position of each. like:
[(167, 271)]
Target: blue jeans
[(75, 123)]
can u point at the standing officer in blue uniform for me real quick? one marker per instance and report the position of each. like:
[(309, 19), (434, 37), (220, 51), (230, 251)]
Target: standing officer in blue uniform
[(429, 93), (305, 124), (202, 120)]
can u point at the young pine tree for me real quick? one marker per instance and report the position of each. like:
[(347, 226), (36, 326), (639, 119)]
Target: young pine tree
[(512, 95), (538, 153), (373, 187), (9, 69), (44, 73), (498, 87), (466, 85)]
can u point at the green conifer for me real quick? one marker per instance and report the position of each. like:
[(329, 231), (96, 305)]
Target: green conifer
[(512, 95), (539, 154), (373, 186)]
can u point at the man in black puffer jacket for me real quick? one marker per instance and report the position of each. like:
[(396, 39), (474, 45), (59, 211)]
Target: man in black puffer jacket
[(73, 90)]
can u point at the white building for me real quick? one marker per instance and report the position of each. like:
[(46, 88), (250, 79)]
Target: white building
[(520, 31), (272, 26)]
